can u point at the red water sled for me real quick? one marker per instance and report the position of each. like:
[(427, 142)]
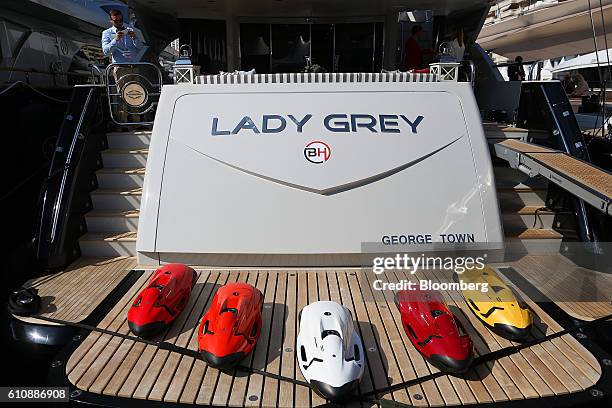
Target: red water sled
[(164, 298), (231, 326), (434, 331)]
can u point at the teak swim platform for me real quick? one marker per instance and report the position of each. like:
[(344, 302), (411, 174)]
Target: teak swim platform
[(104, 367)]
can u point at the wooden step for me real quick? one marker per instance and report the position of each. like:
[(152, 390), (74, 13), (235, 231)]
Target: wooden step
[(108, 244), (502, 131), (112, 220), (129, 140), (520, 196), (534, 239), (533, 233), (116, 199), (524, 217), (124, 158), (121, 177)]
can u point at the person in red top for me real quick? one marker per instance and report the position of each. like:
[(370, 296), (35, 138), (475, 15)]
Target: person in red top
[(413, 51)]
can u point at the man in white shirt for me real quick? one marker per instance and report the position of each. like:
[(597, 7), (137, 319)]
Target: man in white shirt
[(124, 44)]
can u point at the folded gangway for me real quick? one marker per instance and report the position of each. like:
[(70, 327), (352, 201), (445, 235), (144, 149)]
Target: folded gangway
[(580, 178)]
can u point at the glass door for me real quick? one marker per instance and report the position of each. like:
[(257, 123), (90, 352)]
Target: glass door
[(316, 47)]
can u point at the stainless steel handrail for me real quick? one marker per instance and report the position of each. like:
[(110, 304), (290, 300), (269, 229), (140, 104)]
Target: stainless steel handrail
[(96, 72), (77, 133)]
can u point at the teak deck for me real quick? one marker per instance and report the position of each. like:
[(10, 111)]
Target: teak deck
[(113, 366), (74, 293), (582, 293)]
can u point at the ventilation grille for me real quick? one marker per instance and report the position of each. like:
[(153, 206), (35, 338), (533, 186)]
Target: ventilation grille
[(299, 78)]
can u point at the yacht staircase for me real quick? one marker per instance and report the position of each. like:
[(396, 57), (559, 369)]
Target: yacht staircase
[(113, 222), (524, 213), (526, 216)]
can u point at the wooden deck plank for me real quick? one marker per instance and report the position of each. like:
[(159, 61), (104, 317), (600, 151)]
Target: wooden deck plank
[(53, 289), (239, 388), (369, 337), (322, 285), (313, 296), (302, 394), (393, 327), (431, 392), (226, 377), (524, 147), (583, 352), (334, 296), (255, 389), (532, 354), (285, 396), (194, 382), (86, 382), (179, 378), (211, 376), (565, 377), (366, 384), (275, 347), (195, 375), (564, 356), (541, 386), (373, 310)]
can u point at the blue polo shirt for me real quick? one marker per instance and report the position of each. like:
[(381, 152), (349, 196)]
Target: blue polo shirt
[(125, 50)]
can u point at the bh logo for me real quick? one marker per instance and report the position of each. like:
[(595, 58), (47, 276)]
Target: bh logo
[(317, 152)]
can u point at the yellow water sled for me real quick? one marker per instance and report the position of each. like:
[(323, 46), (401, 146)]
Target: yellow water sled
[(498, 308)]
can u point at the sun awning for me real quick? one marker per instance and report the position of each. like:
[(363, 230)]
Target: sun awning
[(585, 61), (549, 32)]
